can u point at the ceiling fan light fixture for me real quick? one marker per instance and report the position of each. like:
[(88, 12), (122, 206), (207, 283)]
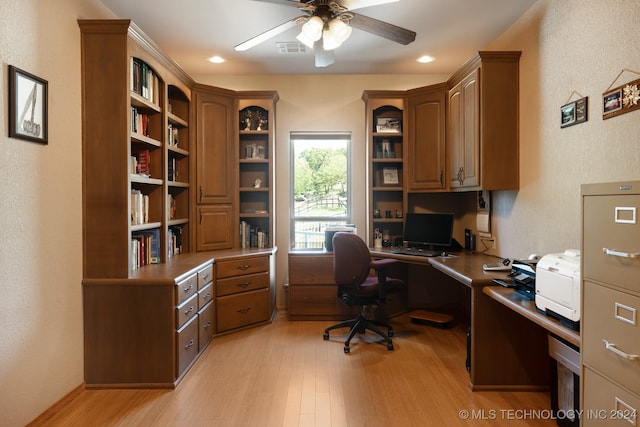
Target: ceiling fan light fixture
[(305, 40), (334, 34), (424, 59), (312, 29)]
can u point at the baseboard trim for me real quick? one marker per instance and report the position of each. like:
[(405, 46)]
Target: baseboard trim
[(52, 410)]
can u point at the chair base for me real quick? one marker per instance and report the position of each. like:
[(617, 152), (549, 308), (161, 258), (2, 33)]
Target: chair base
[(359, 325)]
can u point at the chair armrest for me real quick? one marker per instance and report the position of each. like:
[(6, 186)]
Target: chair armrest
[(382, 263)]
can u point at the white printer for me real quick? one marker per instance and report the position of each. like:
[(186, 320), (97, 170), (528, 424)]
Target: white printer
[(558, 287)]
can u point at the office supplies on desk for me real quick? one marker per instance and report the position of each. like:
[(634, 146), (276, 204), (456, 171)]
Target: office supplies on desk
[(505, 265), (416, 252), (523, 275), (558, 287)]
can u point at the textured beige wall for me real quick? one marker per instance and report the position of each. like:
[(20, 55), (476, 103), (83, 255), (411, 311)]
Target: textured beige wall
[(41, 354), (568, 45)]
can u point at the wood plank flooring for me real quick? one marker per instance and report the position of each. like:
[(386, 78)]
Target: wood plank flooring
[(285, 374)]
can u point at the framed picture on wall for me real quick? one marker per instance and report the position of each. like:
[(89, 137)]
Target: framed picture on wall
[(611, 102), (568, 115), (27, 106)]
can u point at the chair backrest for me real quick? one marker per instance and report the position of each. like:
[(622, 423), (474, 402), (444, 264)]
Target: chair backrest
[(351, 259)]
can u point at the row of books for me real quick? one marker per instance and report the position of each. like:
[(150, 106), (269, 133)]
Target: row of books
[(141, 162), (252, 236), (174, 242), (173, 169), (145, 248), (144, 80), (139, 207), (139, 122), (171, 206)]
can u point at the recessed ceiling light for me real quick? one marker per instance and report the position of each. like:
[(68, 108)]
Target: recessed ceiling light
[(425, 59), (216, 59)]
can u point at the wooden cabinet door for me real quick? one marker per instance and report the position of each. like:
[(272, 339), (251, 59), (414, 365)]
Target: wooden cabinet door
[(464, 132), (215, 156), (216, 227), (426, 142)]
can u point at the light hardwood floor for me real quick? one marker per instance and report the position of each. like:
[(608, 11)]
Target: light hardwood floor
[(285, 374)]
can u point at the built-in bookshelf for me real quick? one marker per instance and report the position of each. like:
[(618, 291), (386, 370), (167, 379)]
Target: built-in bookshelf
[(256, 119), (135, 151), (385, 167)]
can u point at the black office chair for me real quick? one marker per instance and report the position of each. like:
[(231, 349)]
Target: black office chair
[(358, 286)]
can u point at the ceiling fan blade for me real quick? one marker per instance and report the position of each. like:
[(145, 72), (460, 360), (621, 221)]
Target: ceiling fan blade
[(324, 58), (382, 29), (359, 4), (254, 41), (285, 2)]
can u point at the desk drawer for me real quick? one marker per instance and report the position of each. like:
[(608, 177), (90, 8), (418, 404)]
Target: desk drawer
[(187, 344), (606, 404), (205, 276), (243, 309), (186, 288), (205, 295), (242, 266), (234, 285), (206, 317), (612, 223), (186, 310), (612, 316)]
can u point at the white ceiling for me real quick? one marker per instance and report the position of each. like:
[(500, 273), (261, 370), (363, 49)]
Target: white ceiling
[(190, 31)]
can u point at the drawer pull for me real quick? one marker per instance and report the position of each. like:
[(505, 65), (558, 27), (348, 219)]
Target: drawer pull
[(207, 325), (244, 310), (190, 344), (612, 347), (621, 254), (244, 284), (206, 296), (205, 278), (244, 267), (189, 310), (188, 288)]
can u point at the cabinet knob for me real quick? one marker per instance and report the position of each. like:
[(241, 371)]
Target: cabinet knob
[(244, 267), (243, 310), (244, 284), (190, 344)]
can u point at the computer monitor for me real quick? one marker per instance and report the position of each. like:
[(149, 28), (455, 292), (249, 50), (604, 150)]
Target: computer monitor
[(428, 230)]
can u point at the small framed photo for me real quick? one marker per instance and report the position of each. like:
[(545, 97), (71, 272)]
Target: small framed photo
[(388, 125), (27, 106), (611, 102), (582, 110), (390, 176), (568, 115)]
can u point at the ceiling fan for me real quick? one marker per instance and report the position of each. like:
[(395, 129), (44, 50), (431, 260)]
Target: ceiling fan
[(326, 24)]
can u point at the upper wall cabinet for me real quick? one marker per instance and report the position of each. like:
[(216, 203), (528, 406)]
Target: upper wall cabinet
[(482, 129), (426, 167)]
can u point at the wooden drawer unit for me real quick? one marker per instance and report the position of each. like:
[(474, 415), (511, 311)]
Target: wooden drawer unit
[(237, 267), (612, 228), (248, 282), (235, 311), (206, 319), (609, 404), (205, 295), (186, 310), (611, 336), (187, 339), (186, 288)]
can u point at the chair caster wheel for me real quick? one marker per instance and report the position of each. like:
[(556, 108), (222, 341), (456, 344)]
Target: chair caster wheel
[(347, 349), (390, 347), (326, 336), (390, 333)]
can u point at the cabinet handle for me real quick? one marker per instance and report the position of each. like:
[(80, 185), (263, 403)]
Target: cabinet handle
[(206, 296), (205, 279), (244, 267), (189, 310), (188, 288), (243, 310), (190, 344), (612, 347), (243, 285), (621, 254), (461, 175), (207, 325), (201, 193), (441, 178)]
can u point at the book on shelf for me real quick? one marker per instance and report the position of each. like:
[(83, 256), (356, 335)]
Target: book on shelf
[(252, 236), (145, 248), (141, 162), (174, 241), (173, 169), (139, 207), (139, 122), (173, 138), (171, 207), (144, 80)]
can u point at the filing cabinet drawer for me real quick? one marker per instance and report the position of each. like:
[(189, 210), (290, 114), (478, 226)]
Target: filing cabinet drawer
[(205, 295), (612, 230), (187, 339), (186, 288), (234, 311), (606, 404), (611, 316), (249, 282), (205, 276), (206, 326), (186, 310), (248, 265)]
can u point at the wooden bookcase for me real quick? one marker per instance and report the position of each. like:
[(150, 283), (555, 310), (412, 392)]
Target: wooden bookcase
[(256, 172), (136, 108), (385, 121)]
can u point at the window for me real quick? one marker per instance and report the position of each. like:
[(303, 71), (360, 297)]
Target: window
[(320, 182)]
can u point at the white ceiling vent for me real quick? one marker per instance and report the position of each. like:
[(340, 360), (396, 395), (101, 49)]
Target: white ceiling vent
[(290, 47)]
